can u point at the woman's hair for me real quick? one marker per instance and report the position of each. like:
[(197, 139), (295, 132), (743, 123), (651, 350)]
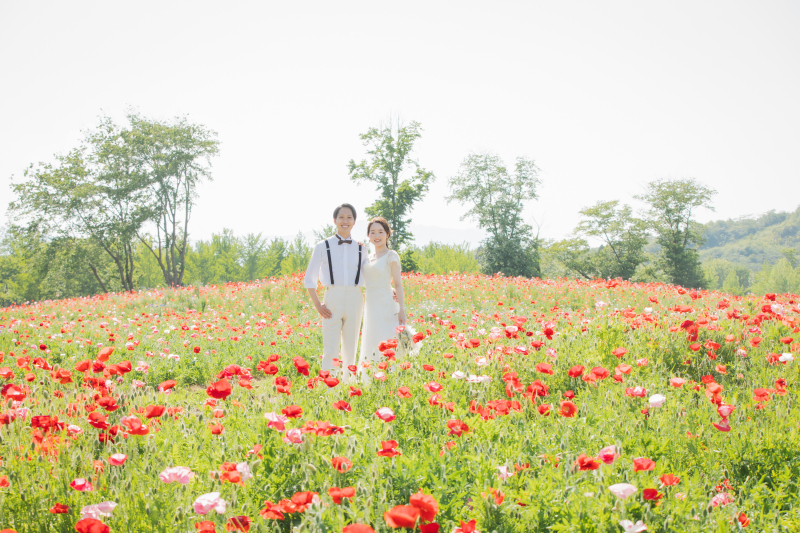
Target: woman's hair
[(382, 221), (348, 206)]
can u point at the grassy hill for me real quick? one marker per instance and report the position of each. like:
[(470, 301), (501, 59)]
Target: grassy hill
[(751, 241)]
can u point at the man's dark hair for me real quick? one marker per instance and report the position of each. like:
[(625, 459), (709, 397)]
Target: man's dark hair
[(348, 206)]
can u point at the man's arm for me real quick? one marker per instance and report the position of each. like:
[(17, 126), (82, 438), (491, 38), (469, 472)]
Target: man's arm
[(311, 280)]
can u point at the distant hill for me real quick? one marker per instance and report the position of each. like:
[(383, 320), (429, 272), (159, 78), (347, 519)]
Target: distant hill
[(751, 241)]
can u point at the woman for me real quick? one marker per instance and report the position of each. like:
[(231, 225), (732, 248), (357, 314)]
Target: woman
[(381, 313)]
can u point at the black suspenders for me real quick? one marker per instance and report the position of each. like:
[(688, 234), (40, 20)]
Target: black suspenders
[(330, 264), (358, 272)]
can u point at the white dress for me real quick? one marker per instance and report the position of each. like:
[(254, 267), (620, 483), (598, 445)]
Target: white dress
[(380, 309)]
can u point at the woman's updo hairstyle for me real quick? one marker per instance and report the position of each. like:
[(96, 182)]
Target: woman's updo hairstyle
[(382, 221)]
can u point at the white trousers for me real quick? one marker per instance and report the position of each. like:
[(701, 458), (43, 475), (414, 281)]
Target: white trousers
[(346, 305)]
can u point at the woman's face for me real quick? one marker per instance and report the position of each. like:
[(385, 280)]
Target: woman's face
[(377, 235)]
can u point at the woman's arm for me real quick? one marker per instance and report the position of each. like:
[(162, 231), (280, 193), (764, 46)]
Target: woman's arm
[(398, 285)]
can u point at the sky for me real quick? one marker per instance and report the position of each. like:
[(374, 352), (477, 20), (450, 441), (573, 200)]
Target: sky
[(603, 96)]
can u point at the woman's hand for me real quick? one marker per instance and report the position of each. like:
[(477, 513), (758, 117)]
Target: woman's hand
[(401, 317)]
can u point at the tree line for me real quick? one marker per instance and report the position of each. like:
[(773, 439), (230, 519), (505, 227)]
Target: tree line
[(113, 215)]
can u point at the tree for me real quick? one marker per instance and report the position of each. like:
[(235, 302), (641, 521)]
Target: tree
[(390, 147), (672, 205), (496, 201), (624, 238), (174, 157), (94, 192)]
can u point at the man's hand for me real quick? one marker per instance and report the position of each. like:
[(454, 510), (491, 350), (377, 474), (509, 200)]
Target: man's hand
[(323, 311)]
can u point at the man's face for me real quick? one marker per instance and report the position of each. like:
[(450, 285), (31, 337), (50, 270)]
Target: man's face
[(344, 221)]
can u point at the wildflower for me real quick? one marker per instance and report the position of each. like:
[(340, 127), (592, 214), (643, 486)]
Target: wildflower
[(178, 474), (98, 510), (622, 490), (402, 516), (117, 459), (385, 414), (643, 463), (608, 454), (389, 448), (630, 527), (568, 409), (669, 480), (337, 494), (81, 485), (293, 436), (584, 462), (657, 400), (342, 464), (91, 525), (210, 502)]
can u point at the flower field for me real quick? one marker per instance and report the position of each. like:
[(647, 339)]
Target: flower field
[(531, 406)]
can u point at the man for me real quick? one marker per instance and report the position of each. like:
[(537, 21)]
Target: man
[(337, 263)]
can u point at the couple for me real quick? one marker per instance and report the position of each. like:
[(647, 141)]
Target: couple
[(343, 266)]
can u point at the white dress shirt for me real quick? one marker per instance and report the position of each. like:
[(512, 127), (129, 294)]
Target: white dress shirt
[(344, 260)]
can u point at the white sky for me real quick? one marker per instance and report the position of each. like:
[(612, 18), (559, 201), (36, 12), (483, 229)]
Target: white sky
[(604, 96)]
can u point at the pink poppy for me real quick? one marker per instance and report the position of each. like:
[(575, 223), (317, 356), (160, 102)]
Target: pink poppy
[(179, 474), (293, 436), (608, 454), (117, 459), (80, 484), (385, 414), (276, 421), (210, 502)]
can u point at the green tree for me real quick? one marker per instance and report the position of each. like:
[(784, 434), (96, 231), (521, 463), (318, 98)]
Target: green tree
[(390, 146), (624, 238), (253, 254), (496, 199), (298, 254), (94, 192), (173, 157), (732, 285), (671, 209), (437, 258)]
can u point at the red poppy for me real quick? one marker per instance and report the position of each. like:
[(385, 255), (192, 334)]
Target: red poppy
[(220, 390), (271, 511), (342, 464), (544, 409), (301, 365), (105, 353), (643, 463), (457, 428), (342, 405), (743, 520), (357, 528), (427, 505), (544, 368), (337, 494), (576, 371), (619, 352), (90, 525), (584, 462), (292, 411), (167, 385), (238, 523), (568, 409), (154, 411), (206, 526), (389, 448), (402, 516), (59, 508), (669, 480)]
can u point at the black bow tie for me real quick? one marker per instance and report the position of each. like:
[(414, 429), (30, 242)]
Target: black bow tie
[(348, 241)]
